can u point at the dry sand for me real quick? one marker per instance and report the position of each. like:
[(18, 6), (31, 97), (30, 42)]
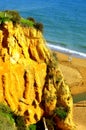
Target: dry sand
[(75, 75)]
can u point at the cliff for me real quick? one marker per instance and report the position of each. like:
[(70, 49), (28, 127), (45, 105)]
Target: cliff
[(31, 83)]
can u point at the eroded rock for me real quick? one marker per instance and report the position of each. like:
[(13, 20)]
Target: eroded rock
[(31, 82)]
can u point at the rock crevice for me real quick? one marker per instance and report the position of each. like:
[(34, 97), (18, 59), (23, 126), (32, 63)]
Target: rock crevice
[(31, 82)]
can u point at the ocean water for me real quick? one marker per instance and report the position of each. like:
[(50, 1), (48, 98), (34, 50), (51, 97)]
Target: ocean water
[(64, 20)]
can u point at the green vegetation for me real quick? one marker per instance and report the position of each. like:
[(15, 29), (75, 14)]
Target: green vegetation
[(26, 22), (61, 112), (12, 15), (32, 127), (39, 26), (6, 118), (9, 120), (31, 19), (9, 16)]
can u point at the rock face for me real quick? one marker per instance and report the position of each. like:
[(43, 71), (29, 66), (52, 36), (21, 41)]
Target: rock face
[(30, 81)]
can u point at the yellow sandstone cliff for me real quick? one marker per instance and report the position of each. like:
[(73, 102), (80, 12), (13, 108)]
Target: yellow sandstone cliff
[(31, 82)]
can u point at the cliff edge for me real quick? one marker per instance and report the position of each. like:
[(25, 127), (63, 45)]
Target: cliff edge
[(31, 83)]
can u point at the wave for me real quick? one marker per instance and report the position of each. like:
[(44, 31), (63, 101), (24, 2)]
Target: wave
[(67, 51)]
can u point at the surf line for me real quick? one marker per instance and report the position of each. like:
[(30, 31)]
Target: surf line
[(67, 51)]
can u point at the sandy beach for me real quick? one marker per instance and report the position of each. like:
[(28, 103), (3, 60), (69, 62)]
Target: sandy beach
[(74, 72)]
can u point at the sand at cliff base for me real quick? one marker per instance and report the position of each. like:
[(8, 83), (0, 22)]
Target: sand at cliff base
[(75, 75)]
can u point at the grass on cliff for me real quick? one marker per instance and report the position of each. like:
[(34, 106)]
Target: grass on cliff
[(14, 16), (10, 121), (6, 118), (26, 22)]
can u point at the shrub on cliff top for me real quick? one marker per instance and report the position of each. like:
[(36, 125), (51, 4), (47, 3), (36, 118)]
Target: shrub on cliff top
[(12, 15), (31, 19), (9, 15), (26, 22), (39, 26)]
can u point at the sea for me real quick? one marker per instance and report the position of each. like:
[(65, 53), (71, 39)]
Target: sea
[(64, 22)]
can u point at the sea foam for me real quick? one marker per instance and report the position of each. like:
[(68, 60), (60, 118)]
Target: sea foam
[(67, 51)]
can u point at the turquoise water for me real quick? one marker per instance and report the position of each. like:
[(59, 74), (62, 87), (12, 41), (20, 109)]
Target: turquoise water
[(79, 97), (64, 20)]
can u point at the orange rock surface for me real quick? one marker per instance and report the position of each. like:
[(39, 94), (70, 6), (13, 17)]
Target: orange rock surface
[(30, 81)]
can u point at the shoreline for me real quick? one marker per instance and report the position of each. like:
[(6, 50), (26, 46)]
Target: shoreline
[(67, 51), (74, 72)]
